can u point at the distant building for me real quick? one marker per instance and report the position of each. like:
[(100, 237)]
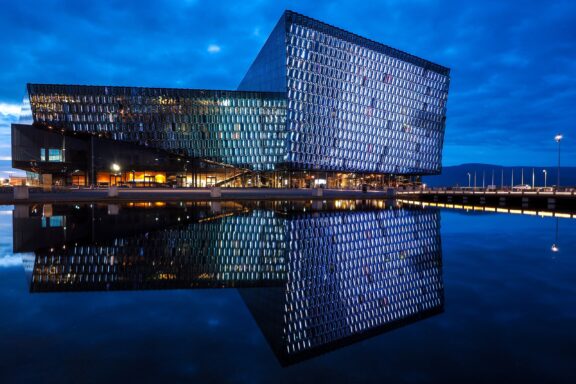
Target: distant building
[(319, 106)]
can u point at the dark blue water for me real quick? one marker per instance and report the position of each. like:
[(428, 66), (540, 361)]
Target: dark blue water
[(508, 314)]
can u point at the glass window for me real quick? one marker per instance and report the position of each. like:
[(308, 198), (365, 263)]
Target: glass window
[(55, 155)]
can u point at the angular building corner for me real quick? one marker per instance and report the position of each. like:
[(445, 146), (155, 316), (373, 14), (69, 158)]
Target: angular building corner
[(319, 106)]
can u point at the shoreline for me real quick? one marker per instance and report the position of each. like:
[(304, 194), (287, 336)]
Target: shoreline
[(197, 194)]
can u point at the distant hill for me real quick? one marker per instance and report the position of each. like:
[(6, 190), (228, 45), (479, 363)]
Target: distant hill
[(458, 175)]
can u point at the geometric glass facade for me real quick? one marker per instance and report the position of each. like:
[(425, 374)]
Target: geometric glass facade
[(244, 129), (316, 99), (353, 104)]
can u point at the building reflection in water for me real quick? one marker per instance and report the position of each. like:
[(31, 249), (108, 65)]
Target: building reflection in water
[(315, 275)]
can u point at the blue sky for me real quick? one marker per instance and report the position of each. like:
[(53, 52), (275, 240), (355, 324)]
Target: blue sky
[(513, 63)]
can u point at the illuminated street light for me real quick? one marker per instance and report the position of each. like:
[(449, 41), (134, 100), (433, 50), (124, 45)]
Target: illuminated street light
[(558, 138), (545, 174), (115, 167), (469, 180)]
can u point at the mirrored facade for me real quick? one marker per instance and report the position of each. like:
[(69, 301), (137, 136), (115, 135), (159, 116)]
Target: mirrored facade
[(316, 98), (349, 276), (314, 276)]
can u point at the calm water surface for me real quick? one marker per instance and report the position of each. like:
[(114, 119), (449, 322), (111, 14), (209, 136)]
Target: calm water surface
[(285, 292)]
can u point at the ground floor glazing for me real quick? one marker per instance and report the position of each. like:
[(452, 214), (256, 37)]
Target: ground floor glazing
[(225, 177)]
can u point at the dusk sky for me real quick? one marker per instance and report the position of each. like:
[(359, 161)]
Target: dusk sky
[(513, 63)]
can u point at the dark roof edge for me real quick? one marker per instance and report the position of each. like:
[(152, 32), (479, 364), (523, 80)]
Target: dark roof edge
[(209, 91), (304, 20)]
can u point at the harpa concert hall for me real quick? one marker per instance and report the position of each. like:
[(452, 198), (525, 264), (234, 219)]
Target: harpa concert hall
[(319, 106)]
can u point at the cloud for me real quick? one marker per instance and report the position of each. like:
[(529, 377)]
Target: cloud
[(9, 261), (512, 76), (9, 113), (213, 48), (7, 109)]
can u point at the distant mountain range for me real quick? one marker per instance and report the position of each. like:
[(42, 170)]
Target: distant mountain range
[(458, 175)]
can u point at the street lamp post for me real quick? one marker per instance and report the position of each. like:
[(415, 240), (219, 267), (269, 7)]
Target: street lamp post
[(115, 171), (469, 180), (545, 174), (512, 180), (558, 138)]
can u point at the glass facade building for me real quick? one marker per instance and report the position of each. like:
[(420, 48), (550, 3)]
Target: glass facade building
[(316, 99), (353, 104)]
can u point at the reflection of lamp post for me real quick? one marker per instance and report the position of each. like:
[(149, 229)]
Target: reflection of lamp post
[(469, 180), (545, 174), (554, 247), (558, 138)]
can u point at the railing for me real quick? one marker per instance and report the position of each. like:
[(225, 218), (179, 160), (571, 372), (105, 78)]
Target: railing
[(231, 178)]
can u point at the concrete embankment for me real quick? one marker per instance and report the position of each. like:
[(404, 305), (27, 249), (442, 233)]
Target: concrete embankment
[(66, 195), (562, 201)]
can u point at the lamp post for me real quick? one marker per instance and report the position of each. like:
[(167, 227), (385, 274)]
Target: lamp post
[(545, 174), (116, 171), (469, 180), (493, 185), (512, 180), (558, 138)]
